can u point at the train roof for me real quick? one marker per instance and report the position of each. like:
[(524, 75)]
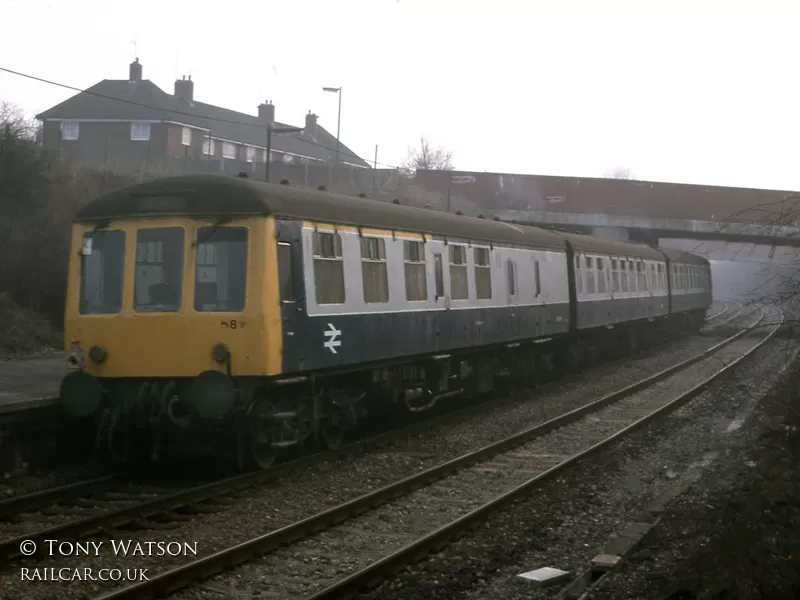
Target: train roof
[(223, 195), (585, 243), (684, 257)]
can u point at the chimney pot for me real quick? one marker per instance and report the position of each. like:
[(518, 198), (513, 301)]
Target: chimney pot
[(311, 124), (266, 112), (184, 89), (135, 71)]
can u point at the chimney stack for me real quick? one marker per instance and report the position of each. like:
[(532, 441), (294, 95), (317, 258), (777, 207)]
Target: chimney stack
[(311, 124), (266, 112), (135, 73), (184, 89)]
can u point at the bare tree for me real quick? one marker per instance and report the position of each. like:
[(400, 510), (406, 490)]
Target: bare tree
[(619, 173), (20, 164), (428, 158)]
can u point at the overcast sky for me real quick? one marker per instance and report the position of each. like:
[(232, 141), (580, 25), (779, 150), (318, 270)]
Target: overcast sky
[(695, 92)]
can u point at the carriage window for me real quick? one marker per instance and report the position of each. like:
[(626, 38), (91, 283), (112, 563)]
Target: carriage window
[(483, 273), (373, 270), (221, 274), (328, 268), (102, 270), (285, 279), (438, 275), (614, 275), (578, 276), (623, 275), (512, 277), (642, 276), (601, 276), (537, 281), (159, 270), (416, 282), (458, 273), (590, 275)]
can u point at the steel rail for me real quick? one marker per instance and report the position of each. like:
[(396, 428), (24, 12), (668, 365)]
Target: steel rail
[(719, 313), (371, 576), (24, 503), (205, 567)]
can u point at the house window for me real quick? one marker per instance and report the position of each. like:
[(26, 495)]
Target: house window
[(483, 273), (70, 130), (186, 136), (512, 277), (373, 270), (228, 150), (328, 268), (458, 273), (416, 282), (209, 147), (251, 154), (140, 132)]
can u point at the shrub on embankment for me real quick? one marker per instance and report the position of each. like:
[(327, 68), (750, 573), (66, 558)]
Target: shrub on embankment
[(38, 199)]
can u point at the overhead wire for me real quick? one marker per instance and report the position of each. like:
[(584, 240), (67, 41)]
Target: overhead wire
[(179, 112)]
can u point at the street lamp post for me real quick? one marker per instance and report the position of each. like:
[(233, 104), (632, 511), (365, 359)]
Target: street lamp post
[(271, 130), (339, 119)]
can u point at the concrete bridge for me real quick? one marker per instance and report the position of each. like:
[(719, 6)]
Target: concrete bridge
[(720, 222)]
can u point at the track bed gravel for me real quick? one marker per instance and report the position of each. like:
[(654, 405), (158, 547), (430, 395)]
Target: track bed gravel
[(322, 485), (569, 520)]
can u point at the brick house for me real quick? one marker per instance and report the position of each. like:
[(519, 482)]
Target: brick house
[(134, 125)]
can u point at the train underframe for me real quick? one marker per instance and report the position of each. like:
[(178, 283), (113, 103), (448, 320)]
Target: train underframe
[(262, 419)]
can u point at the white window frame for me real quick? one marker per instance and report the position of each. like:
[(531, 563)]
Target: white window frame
[(209, 146), (228, 150), (251, 154), (138, 129), (186, 136), (70, 130)]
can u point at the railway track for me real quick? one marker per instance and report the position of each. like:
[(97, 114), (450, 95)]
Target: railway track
[(731, 312), (84, 508), (343, 549)]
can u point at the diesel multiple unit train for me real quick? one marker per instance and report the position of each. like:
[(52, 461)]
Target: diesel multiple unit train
[(218, 307)]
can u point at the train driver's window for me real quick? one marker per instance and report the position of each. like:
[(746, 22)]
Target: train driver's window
[(158, 281), (221, 272)]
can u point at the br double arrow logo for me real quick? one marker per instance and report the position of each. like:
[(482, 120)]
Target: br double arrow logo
[(333, 340)]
